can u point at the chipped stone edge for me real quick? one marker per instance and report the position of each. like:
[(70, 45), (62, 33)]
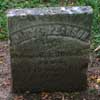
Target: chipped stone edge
[(50, 11)]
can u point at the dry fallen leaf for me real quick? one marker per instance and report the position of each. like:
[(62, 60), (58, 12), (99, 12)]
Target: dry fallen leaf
[(98, 80), (19, 98), (1, 62), (44, 95), (98, 48), (6, 83), (93, 77)]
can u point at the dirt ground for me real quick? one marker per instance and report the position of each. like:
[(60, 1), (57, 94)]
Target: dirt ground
[(92, 93)]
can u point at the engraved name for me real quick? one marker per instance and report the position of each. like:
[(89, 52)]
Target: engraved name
[(39, 31)]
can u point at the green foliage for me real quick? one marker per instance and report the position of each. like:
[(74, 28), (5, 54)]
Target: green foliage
[(95, 4), (8, 4)]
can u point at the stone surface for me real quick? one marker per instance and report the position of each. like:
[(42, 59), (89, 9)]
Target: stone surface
[(49, 48)]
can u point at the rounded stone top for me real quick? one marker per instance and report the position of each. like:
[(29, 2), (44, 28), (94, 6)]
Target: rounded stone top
[(50, 11)]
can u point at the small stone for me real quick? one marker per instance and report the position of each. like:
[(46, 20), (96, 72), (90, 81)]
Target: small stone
[(97, 86)]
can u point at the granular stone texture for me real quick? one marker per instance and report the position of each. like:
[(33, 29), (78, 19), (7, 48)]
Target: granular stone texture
[(49, 48)]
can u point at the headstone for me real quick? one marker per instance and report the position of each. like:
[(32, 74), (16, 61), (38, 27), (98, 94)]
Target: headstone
[(49, 48)]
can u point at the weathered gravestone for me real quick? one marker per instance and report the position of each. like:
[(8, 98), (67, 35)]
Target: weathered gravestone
[(49, 48)]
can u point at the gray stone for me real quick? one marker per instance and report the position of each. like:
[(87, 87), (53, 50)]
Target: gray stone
[(49, 48)]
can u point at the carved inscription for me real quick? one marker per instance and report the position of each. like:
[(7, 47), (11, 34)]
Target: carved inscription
[(60, 29)]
